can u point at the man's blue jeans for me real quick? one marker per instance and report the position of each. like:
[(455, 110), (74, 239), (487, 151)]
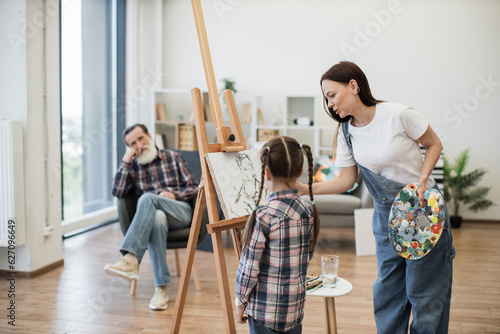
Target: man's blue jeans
[(149, 229)]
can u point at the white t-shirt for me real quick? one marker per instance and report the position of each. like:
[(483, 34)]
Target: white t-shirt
[(387, 145)]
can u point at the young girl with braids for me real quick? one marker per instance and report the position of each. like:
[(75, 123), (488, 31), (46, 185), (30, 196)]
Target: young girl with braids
[(277, 244)]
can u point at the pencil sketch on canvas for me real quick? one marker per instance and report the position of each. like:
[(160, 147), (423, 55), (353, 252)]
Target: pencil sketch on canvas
[(236, 177)]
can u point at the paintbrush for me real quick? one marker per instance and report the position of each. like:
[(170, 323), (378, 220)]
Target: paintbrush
[(316, 287)]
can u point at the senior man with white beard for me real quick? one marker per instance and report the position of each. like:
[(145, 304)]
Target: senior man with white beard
[(162, 181)]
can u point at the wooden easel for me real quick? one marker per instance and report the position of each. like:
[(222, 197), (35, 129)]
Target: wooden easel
[(227, 141)]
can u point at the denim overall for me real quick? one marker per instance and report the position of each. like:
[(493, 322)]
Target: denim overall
[(423, 285)]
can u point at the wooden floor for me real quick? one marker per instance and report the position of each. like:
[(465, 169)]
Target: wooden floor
[(81, 298)]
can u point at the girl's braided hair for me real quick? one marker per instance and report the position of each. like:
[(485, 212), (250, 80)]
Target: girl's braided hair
[(283, 157)]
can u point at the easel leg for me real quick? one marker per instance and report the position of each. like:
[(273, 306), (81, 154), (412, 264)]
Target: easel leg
[(196, 276), (188, 261), (220, 263)]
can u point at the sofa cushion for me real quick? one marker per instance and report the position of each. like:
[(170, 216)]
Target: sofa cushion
[(325, 169), (340, 204)]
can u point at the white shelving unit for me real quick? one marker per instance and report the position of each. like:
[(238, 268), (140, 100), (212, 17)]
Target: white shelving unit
[(179, 109), (279, 113)]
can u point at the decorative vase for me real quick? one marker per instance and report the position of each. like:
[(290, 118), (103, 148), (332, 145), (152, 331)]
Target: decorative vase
[(456, 221)]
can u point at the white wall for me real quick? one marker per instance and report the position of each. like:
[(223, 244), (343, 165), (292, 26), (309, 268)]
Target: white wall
[(433, 55), (30, 68)]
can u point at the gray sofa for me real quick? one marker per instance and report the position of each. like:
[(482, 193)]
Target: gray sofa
[(338, 210)]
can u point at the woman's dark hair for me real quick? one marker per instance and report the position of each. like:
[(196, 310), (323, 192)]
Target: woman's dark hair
[(285, 160), (132, 127), (344, 72)]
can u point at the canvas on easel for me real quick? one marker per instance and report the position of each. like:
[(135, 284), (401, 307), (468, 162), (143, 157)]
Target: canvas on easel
[(236, 177)]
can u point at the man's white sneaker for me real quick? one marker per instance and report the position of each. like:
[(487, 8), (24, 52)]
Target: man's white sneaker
[(123, 268), (160, 298)]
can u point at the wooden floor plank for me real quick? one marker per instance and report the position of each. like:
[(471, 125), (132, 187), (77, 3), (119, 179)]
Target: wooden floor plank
[(81, 298)]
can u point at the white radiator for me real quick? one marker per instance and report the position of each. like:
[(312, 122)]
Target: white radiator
[(12, 213)]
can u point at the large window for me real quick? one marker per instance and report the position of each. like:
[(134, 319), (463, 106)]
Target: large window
[(89, 108)]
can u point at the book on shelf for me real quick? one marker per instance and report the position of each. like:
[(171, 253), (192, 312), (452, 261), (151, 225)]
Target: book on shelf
[(260, 116), (160, 142), (207, 107), (187, 137), (161, 113), (247, 113), (267, 134), (208, 113)]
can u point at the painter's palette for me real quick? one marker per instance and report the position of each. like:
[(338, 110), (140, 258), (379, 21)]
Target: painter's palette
[(413, 231)]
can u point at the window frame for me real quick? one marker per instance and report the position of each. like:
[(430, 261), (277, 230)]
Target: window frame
[(117, 83)]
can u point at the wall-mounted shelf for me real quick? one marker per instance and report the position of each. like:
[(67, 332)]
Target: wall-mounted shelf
[(279, 113), (171, 117)]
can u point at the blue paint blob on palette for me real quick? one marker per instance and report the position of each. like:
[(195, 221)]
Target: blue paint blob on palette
[(413, 231)]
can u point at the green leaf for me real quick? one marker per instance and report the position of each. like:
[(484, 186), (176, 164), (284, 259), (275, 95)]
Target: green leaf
[(476, 194), (446, 194), (446, 169), (471, 179), (457, 193), (459, 186), (461, 162), (481, 205)]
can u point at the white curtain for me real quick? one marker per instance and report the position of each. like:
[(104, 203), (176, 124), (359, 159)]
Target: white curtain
[(144, 59)]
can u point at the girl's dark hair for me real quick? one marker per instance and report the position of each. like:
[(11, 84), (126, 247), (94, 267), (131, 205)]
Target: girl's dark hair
[(344, 72), (284, 160)]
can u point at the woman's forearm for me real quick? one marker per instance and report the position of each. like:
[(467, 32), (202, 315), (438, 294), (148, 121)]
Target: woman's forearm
[(432, 145), (339, 184)]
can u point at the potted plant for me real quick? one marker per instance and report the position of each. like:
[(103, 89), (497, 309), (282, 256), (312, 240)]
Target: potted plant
[(229, 84), (460, 188)]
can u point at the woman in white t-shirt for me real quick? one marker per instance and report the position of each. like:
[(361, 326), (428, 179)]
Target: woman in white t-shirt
[(382, 139)]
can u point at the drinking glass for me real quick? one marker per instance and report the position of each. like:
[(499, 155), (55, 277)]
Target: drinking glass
[(330, 269)]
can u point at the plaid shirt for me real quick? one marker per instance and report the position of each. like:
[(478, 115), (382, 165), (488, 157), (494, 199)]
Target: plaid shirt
[(271, 277), (168, 172)]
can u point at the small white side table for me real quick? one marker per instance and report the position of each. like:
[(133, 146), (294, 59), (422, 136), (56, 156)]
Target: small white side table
[(343, 288)]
